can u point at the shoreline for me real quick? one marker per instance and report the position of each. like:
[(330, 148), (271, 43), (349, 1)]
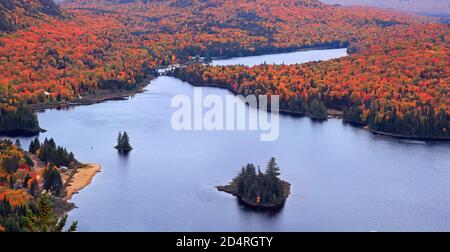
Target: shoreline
[(123, 94), (332, 113), (21, 132), (74, 180), (94, 99), (293, 50), (80, 178), (414, 138), (287, 191)]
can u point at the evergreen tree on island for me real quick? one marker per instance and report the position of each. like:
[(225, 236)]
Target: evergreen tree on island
[(258, 189), (272, 168), (123, 142)]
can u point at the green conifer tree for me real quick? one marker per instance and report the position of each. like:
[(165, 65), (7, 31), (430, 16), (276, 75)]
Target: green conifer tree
[(272, 168)]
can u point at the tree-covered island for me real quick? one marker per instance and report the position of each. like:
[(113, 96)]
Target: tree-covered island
[(123, 143), (257, 189)]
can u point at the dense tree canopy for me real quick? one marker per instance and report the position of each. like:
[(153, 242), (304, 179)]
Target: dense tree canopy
[(396, 78), (23, 206), (395, 81), (260, 188), (52, 154), (105, 44)]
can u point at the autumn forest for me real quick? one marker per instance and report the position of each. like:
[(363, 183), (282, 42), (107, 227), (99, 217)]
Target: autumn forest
[(394, 81)]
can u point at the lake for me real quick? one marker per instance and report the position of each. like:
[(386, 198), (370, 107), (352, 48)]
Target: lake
[(284, 58), (343, 178)]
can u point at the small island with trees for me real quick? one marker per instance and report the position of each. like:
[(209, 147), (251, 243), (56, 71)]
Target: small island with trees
[(257, 189), (123, 143)]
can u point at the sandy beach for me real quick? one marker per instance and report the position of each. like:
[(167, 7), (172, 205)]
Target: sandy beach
[(81, 179)]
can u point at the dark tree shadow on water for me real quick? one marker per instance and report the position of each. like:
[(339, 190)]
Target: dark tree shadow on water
[(268, 212), (123, 156)]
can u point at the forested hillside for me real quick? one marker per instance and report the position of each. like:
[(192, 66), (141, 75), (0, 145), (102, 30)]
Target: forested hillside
[(428, 7), (52, 55), (24, 205), (16, 14), (396, 85), (111, 45)]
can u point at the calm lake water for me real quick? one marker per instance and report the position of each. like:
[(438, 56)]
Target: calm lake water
[(284, 58), (343, 178)]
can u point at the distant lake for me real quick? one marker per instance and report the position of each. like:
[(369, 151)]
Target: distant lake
[(343, 178), (284, 58)]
